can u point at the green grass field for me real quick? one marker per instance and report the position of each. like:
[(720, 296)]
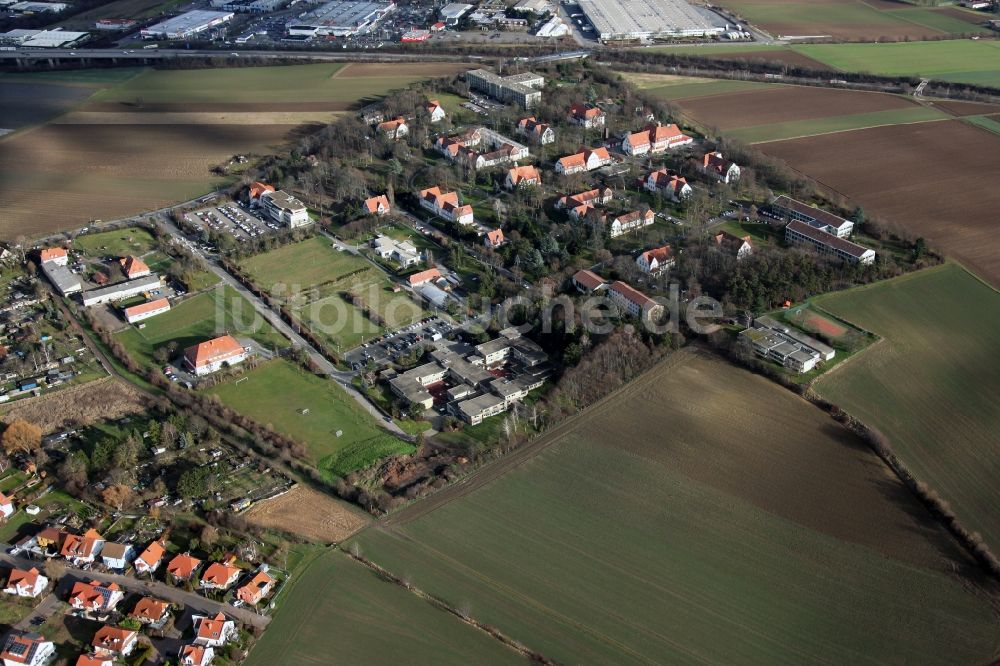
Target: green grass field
[(118, 243), (992, 123), (812, 127), (963, 61), (340, 612), (319, 281), (278, 392), (702, 515), (197, 319), (930, 385)]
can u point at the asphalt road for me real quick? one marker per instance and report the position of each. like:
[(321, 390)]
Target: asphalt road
[(175, 595)]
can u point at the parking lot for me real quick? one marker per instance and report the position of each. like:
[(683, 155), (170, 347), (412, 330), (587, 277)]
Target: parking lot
[(387, 348), (234, 219)]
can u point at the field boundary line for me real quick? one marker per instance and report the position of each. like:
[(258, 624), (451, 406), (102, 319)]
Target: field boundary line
[(853, 129)]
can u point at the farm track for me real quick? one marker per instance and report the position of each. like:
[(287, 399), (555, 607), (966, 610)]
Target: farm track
[(495, 470)]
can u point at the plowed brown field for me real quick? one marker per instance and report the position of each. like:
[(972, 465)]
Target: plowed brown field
[(786, 104), (310, 514), (395, 69), (936, 180)]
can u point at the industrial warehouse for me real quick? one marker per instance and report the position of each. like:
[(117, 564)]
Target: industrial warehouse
[(187, 24), (630, 20), (340, 18)]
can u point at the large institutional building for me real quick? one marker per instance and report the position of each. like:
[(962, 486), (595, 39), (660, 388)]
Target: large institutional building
[(521, 89), (629, 20)]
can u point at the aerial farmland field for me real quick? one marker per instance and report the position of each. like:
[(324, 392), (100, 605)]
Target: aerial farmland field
[(952, 203), (701, 514), (142, 138), (340, 612), (930, 385)]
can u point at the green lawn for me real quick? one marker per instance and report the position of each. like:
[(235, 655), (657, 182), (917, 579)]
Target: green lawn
[(279, 393), (812, 127), (293, 83), (90, 78), (702, 516), (320, 283), (992, 123), (964, 60), (118, 243), (200, 318), (340, 612), (931, 385)]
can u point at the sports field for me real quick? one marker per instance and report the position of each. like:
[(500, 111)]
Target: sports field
[(857, 20), (702, 514), (321, 285), (340, 612), (197, 319), (931, 386), (117, 243), (311, 410), (811, 321), (120, 142)]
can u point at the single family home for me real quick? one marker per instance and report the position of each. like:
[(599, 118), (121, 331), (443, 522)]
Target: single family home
[(26, 583), (213, 631)]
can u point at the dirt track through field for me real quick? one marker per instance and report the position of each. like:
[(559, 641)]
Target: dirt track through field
[(936, 180)]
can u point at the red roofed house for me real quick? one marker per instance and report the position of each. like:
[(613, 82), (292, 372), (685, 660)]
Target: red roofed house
[(6, 506), (56, 255), (146, 310), (196, 655), (654, 139), (540, 133), (150, 559), (632, 301), (256, 589), (656, 260), (587, 116), (585, 160), (668, 183), (494, 238), (739, 246), (422, 277), (714, 164), (219, 576), (213, 631), (81, 549), (150, 610), (445, 204), (115, 640), (394, 129), (522, 176), (28, 583), (587, 281), (95, 596), (212, 355), (378, 205), (133, 267), (630, 222), (257, 189), (94, 660), (26, 648), (578, 205), (435, 110), (182, 567)]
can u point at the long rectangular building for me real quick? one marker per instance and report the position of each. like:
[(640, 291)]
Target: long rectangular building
[(186, 25), (522, 89), (821, 219), (121, 291), (826, 243), (629, 20), (340, 18)]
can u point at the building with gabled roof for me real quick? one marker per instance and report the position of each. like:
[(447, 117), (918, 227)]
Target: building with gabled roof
[(114, 293), (826, 243), (587, 281), (150, 611), (522, 176), (255, 191), (26, 648), (117, 556), (817, 218), (255, 589), (395, 128), (632, 301), (183, 567), (137, 313), (446, 205), (717, 166), (537, 132), (213, 631), (628, 222), (95, 660), (423, 277), (435, 111), (493, 238), (115, 640), (196, 655), (212, 355), (587, 115), (6, 506), (378, 205), (82, 548), (585, 160), (133, 267), (95, 596), (668, 183), (577, 206), (654, 139), (219, 576), (737, 246), (151, 558), (26, 583), (656, 260), (57, 255)]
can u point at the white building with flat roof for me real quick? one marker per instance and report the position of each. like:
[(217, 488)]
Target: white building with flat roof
[(285, 209), (340, 18), (616, 20), (186, 25)]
